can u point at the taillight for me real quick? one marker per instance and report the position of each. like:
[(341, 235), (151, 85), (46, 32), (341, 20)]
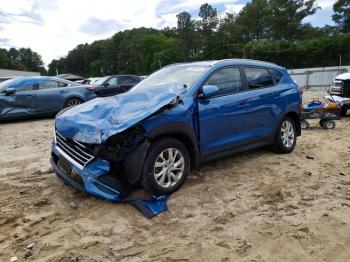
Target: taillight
[(90, 88)]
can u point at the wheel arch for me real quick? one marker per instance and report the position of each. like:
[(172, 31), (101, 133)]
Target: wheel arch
[(296, 119), (181, 132)]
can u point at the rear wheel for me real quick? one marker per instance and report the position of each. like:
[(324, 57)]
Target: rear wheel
[(285, 138), (327, 124), (166, 167), (72, 102)]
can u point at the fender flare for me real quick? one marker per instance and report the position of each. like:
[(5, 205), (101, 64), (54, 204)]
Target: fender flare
[(134, 161)]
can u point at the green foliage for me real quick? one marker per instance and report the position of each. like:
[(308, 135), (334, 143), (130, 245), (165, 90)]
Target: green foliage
[(342, 15), (21, 59), (270, 30)]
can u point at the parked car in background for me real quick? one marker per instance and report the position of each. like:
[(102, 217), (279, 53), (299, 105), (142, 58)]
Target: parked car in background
[(341, 88), (39, 96), (176, 118), (115, 84), (88, 81)]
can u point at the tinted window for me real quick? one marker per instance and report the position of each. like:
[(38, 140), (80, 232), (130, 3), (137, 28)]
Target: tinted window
[(125, 80), (136, 79), (23, 85), (277, 76), (228, 80), (46, 84), (258, 77), (112, 81)]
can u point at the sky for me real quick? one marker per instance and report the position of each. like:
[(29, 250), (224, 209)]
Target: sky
[(53, 27)]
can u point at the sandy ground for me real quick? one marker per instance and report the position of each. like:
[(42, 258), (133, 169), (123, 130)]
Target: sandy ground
[(255, 206)]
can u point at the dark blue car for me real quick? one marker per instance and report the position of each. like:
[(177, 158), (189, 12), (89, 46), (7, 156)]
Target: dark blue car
[(39, 96), (175, 119)]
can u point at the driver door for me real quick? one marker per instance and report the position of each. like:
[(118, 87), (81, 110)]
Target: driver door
[(223, 118), (20, 103)]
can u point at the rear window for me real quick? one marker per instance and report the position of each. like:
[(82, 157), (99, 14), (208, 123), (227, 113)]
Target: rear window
[(276, 75), (258, 77)]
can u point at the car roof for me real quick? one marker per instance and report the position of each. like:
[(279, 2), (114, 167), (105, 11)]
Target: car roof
[(46, 78), (42, 77), (345, 76), (121, 75), (224, 62)]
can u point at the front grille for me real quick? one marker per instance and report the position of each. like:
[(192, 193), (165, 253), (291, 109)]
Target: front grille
[(73, 150)]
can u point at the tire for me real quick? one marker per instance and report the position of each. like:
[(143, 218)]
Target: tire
[(286, 137), (321, 122), (343, 111), (72, 102), (304, 124), (166, 177), (328, 124)]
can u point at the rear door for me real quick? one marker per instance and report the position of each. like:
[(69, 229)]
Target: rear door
[(126, 83), (223, 120), (265, 100)]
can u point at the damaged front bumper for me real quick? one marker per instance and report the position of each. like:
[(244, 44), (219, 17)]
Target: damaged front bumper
[(93, 178)]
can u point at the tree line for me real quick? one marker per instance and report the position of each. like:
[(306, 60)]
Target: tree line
[(23, 59), (270, 30)]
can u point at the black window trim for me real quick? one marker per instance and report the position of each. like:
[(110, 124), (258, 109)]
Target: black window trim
[(261, 67), (215, 71)]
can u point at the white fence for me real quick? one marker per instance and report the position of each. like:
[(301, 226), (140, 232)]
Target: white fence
[(318, 78)]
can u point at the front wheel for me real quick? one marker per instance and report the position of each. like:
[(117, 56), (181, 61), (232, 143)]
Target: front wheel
[(166, 167), (285, 138), (304, 124)]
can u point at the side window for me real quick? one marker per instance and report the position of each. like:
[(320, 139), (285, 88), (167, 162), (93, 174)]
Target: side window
[(277, 76), (112, 81), (47, 84), (61, 84), (24, 85), (136, 79), (258, 77), (125, 80), (228, 80)]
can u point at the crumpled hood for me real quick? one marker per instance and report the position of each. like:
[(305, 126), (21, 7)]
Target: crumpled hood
[(95, 121)]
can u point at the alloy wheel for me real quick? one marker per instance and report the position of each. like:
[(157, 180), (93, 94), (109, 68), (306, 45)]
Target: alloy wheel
[(169, 167), (287, 134)]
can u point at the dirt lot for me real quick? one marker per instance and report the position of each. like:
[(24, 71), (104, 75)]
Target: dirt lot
[(255, 206)]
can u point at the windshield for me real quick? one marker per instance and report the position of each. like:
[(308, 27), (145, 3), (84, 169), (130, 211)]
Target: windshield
[(178, 75), (100, 81), (338, 83), (5, 84)]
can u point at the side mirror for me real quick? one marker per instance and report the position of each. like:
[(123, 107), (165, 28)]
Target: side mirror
[(208, 91), (9, 91), (106, 85)]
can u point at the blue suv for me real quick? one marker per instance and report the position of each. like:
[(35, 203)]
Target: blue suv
[(175, 119)]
